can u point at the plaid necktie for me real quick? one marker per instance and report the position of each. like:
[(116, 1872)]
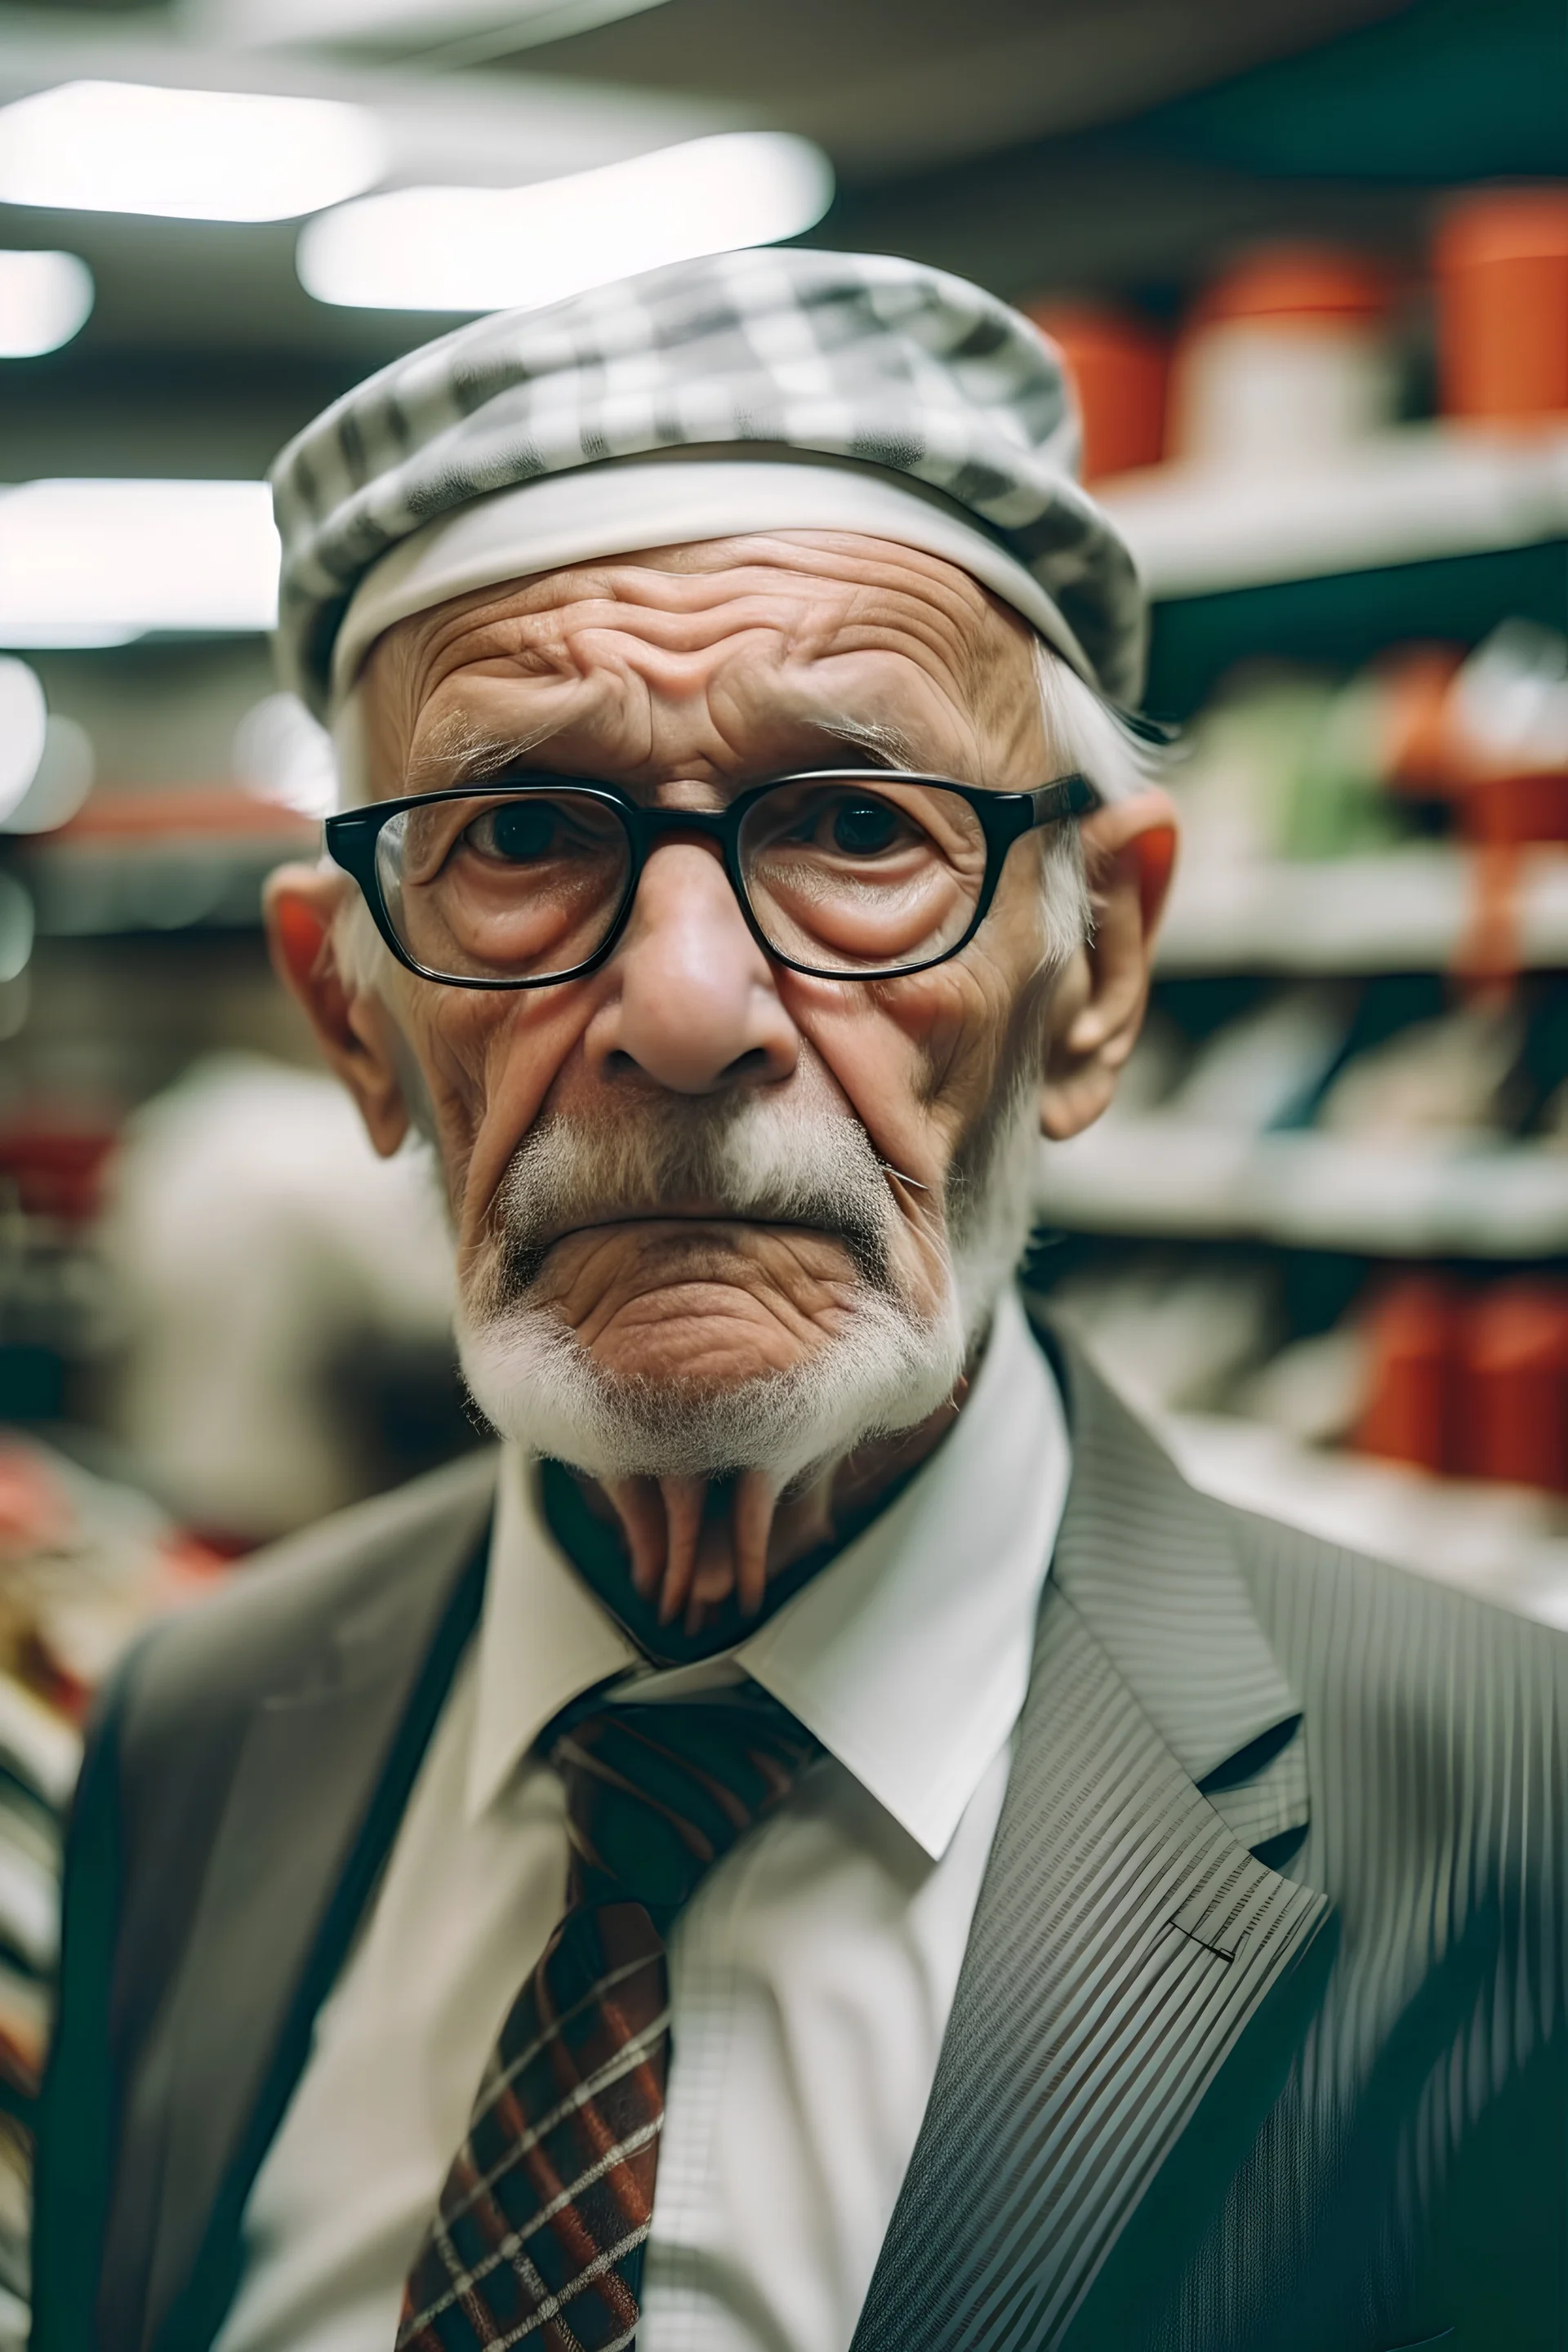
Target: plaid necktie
[(539, 2236)]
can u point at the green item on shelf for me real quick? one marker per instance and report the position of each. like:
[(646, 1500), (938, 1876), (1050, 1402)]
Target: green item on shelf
[(1337, 805)]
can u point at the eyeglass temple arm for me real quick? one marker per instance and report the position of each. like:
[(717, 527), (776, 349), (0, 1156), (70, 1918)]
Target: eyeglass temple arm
[(1071, 795)]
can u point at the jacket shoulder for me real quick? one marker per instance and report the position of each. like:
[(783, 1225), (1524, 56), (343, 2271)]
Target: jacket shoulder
[(1322, 1601), (273, 1617)]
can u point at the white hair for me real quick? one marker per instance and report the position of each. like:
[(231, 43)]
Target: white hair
[(1090, 733), (1089, 736)]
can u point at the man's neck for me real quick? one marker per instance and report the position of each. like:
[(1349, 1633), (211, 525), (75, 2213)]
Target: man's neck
[(689, 1565)]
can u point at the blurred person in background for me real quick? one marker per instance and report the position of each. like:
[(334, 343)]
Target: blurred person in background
[(820, 1837)]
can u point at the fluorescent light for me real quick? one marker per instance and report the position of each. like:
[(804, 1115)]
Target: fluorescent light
[(64, 637), (439, 23), (45, 299), (491, 248), (186, 154), (98, 563), (24, 720)]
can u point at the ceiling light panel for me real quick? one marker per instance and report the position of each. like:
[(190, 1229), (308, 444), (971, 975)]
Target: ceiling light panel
[(497, 249), (422, 24), (184, 154), (100, 562), (45, 299)]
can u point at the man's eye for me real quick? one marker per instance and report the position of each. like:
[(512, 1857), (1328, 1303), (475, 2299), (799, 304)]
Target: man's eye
[(526, 831), (864, 828)]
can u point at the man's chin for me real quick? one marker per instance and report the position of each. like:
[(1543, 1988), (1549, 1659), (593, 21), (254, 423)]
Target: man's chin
[(705, 1332), (764, 1291), (680, 1398)]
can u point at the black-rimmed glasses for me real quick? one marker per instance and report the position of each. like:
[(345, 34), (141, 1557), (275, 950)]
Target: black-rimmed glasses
[(844, 874)]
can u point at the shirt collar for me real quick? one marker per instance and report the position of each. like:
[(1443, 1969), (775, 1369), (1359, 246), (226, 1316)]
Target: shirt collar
[(909, 1656), (543, 1638)]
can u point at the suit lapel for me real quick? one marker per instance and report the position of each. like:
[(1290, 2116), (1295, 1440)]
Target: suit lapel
[(313, 1758), (1150, 1566), (1123, 1941)]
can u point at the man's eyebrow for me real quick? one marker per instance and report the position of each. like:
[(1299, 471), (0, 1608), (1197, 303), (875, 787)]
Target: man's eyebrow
[(887, 744), (458, 752)]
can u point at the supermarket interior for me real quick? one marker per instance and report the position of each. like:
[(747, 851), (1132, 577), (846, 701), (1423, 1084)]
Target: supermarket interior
[(1308, 266)]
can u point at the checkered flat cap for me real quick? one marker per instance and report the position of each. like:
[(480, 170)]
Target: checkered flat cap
[(864, 360)]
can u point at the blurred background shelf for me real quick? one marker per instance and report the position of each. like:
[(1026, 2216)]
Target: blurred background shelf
[(160, 861), (1410, 909), (1339, 620), (1422, 493), (1416, 1200)]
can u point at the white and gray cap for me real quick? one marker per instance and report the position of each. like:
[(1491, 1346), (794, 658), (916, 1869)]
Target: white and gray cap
[(765, 390)]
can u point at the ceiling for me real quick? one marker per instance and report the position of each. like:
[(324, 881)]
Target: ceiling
[(897, 85), (886, 86), (1029, 142)]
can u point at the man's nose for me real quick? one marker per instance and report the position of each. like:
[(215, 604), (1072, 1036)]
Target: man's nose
[(696, 1008)]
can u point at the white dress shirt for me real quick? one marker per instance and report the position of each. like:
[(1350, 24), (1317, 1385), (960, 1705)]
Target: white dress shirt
[(811, 1975)]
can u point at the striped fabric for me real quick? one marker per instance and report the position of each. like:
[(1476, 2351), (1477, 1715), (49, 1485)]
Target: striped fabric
[(1191, 2103), (1117, 1906), (539, 2231), (862, 358), (1193, 2097)]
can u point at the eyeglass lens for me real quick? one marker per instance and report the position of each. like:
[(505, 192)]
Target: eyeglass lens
[(842, 874)]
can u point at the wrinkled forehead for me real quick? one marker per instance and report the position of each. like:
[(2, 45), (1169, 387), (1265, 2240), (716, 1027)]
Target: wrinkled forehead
[(797, 643)]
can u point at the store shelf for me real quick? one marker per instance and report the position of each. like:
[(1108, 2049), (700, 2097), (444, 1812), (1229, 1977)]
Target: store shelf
[(1426, 492), (176, 889), (160, 861), (1410, 910), (1345, 619), (1164, 1176), (1508, 1545)]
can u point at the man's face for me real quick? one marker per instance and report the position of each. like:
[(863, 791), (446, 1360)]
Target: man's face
[(701, 1170)]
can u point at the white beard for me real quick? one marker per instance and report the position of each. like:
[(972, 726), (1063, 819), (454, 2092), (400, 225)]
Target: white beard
[(887, 1370)]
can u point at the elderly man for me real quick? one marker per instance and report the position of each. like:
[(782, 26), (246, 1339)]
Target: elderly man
[(821, 1838)]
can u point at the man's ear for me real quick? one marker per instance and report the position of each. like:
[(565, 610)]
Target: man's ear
[(1097, 1011), (354, 1028)]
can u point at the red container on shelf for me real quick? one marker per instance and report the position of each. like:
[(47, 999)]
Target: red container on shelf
[(1501, 258), (1411, 1391), (1120, 364), (1511, 1421), (1517, 806)]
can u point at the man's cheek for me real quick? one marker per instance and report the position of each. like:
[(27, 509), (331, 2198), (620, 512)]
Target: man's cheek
[(939, 1036), (502, 1070), (878, 1069)]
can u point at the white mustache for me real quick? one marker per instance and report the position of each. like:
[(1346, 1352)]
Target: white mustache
[(751, 1156)]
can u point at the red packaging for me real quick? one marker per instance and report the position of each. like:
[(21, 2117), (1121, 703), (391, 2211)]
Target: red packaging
[(1501, 263), (1413, 1392), (1512, 1422), (1118, 363)]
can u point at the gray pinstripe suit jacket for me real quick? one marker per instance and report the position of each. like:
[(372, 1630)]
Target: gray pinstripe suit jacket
[(1259, 2040)]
